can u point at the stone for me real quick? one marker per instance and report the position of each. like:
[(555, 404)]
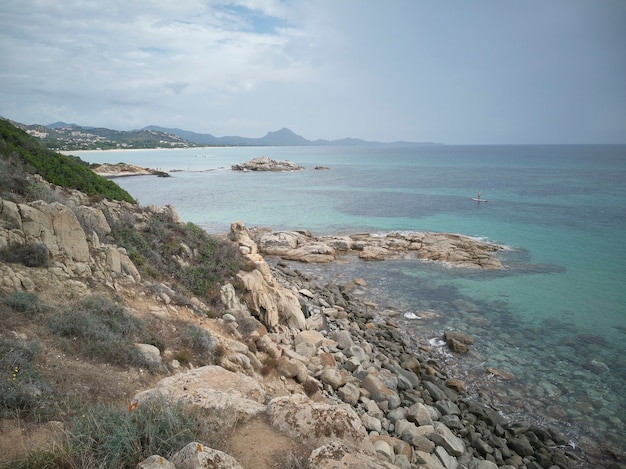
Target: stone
[(332, 377), (150, 355), (448, 461), (371, 423), (343, 339), (521, 445), (423, 444), (457, 385), (315, 423), (406, 430), (447, 407), (358, 352), (155, 462), (483, 464), (267, 345), (418, 414), (428, 461), (349, 393), (291, 368), (337, 454), (442, 436), (384, 451), (379, 391), (502, 374), (435, 391), (222, 392), (458, 341), (264, 163), (197, 456)]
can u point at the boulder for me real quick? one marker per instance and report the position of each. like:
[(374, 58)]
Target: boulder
[(314, 423), (197, 456), (458, 341), (443, 436), (266, 299), (336, 455), (155, 462), (379, 391), (220, 391)]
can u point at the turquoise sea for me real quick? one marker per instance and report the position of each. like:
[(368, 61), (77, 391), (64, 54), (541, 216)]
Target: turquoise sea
[(555, 317)]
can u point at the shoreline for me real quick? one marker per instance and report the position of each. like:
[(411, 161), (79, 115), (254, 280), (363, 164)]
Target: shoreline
[(458, 408)]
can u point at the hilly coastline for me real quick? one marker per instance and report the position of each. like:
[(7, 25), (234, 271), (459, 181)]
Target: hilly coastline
[(61, 136), (133, 339)]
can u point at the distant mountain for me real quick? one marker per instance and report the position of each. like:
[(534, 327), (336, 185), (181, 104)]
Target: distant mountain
[(64, 136), (282, 137)]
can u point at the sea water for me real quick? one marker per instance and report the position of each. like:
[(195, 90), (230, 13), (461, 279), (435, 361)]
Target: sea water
[(555, 317)]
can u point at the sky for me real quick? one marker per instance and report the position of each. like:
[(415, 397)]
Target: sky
[(454, 72)]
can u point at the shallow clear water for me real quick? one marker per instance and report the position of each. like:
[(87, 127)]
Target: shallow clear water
[(556, 317)]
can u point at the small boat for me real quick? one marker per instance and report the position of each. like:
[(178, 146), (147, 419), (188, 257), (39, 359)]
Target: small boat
[(476, 199)]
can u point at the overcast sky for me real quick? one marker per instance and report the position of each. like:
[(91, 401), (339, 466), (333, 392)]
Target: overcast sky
[(481, 71)]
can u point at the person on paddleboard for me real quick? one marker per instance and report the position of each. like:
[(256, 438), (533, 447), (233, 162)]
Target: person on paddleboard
[(478, 195)]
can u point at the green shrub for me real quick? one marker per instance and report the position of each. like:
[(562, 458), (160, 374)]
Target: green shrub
[(29, 255), (59, 169), (156, 248), (99, 328)]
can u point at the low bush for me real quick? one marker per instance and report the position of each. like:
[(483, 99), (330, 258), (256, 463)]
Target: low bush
[(23, 302), (157, 251), (29, 255), (109, 436), (199, 341), (21, 388), (99, 328)]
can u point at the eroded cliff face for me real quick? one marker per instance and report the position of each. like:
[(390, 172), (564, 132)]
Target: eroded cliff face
[(75, 254)]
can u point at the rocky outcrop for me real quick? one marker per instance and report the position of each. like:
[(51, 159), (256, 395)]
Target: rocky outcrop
[(457, 250), (265, 163), (117, 170), (266, 299), (70, 241)]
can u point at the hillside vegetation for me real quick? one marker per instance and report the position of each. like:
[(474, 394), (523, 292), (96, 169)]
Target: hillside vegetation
[(68, 341), (21, 154)]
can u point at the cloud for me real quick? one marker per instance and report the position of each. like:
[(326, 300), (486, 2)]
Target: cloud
[(414, 70)]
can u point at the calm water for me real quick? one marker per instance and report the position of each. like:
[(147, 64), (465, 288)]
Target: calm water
[(556, 317)]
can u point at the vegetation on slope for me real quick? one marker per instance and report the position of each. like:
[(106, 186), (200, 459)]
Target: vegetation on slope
[(20, 153), (76, 360)]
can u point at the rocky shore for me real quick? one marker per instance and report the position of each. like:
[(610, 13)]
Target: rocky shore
[(362, 393), (456, 250), (264, 163), (304, 364)]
